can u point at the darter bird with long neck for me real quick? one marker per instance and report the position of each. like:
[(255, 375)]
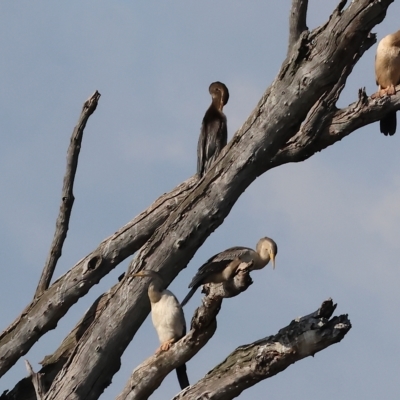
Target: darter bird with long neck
[(387, 72), (214, 131), (167, 316), (223, 266)]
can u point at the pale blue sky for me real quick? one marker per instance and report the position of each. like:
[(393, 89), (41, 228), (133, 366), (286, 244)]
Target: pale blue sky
[(335, 217)]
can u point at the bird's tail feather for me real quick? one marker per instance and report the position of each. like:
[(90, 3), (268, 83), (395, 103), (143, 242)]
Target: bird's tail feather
[(182, 376), (189, 296), (388, 124)]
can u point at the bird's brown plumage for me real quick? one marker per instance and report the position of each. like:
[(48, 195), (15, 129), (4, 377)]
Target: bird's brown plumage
[(387, 72), (214, 131), (223, 266)]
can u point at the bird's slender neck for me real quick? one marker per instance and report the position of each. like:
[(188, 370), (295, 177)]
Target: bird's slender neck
[(261, 260), (217, 102), (154, 292)]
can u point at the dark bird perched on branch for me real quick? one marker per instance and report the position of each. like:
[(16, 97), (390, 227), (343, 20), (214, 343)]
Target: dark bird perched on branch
[(214, 131), (167, 316), (223, 266), (387, 72)]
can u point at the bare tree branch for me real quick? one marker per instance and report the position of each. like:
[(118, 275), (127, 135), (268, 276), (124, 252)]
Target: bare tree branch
[(297, 22), (52, 364), (44, 312), (249, 364), (147, 377), (303, 79), (271, 129), (36, 381), (67, 197), (312, 69), (129, 238), (322, 130), (341, 123)]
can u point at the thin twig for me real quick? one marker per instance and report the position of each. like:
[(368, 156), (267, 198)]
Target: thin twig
[(36, 381), (333, 125), (67, 197)]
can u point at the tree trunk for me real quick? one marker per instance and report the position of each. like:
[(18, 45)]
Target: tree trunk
[(295, 118)]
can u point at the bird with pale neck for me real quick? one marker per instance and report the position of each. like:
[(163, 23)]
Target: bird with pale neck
[(223, 266), (387, 72), (167, 316)]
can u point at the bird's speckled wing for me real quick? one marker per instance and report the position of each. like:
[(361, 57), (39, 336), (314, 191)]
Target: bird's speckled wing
[(213, 138), (218, 262)]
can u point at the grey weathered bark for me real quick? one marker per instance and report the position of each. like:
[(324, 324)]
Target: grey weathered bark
[(319, 60), (326, 125), (67, 197), (252, 363), (44, 312), (295, 118), (113, 250), (52, 364), (36, 381), (297, 22), (325, 129), (201, 323)]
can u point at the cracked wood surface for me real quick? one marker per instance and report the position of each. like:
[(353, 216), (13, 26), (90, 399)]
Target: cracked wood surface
[(44, 312), (307, 82), (318, 61), (202, 328), (264, 358)]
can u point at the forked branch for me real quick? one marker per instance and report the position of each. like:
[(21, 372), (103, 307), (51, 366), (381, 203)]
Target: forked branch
[(297, 21), (44, 312), (302, 81), (173, 230), (264, 358)]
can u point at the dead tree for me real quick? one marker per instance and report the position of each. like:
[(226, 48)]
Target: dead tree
[(296, 117)]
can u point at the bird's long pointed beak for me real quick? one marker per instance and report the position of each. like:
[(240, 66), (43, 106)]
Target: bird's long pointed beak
[(140, 273), (273, 260)]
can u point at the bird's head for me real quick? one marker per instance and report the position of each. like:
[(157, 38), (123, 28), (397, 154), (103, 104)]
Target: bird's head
[(268, 249), (155, 276), (219, 92), (145, 273)]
